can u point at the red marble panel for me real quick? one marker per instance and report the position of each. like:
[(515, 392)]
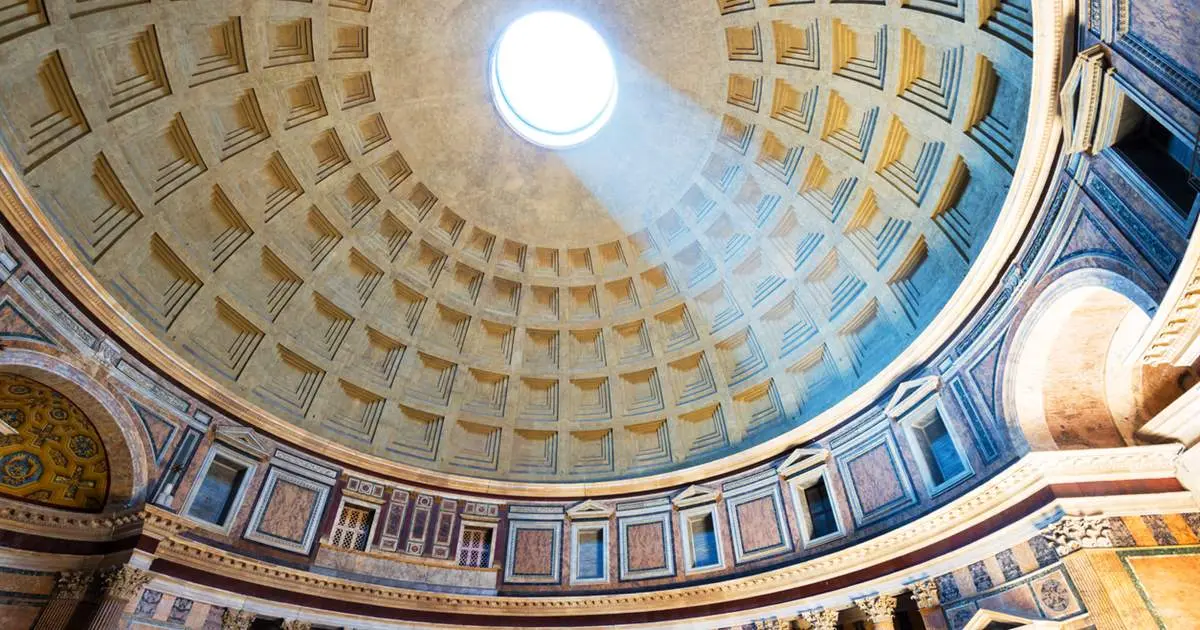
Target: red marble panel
[(758, 525), (534, 552), (646, 546), (875, 479), (287, 511)]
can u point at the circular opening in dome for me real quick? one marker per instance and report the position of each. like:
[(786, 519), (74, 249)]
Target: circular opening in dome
[(553, 79)]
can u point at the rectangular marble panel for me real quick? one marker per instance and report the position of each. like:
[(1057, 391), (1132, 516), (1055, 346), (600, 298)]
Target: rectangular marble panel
[(534, 552), (757, 525), (646, 546), (876, 481), (287, 512)]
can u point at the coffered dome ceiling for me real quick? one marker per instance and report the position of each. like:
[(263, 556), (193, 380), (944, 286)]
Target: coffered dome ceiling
[(315, 205)]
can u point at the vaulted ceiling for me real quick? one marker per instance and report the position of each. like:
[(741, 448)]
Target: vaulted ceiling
[(315, 205)]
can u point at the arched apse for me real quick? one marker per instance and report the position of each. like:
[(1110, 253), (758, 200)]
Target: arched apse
[(128, 458), (1071, 381), (51, 452)]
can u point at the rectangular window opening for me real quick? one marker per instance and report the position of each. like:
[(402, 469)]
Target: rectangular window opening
[(939, 450), (1165, 160), (821, 519), (703, 537), (353, 528), (475, 547), (591, 561), (219, 489)]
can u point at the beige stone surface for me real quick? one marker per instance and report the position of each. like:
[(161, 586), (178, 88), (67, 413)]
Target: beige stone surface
[(314, 206)]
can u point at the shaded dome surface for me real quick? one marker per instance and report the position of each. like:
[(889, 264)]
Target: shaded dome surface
[(318, 207)]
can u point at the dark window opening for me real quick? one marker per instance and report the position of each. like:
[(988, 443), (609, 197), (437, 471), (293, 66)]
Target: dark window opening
[(704, 542), (1164, 160), (939, 451), (820, 510), (217, 491)]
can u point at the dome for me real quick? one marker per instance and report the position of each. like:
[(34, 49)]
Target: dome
[(319, 214)]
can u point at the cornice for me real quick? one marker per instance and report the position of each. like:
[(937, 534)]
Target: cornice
[(49, 522), (1036, 164), (1029, 475), (1178, 422)]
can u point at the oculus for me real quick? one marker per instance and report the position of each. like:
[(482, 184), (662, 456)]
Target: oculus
[(553, 79)]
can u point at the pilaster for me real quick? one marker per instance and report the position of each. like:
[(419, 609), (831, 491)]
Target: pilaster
[(69, 589), (120, 585)]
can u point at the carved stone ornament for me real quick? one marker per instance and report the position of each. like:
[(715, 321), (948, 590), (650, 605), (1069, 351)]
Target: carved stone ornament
[(824, 619), (879, 608), (766, 624), (296, 624), (109, 352), (1079, 532), (124, 582), (72, 584), (925, 593), (236, 619)]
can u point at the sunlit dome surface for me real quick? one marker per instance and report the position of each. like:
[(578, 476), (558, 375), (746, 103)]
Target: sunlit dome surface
[(553, 79)]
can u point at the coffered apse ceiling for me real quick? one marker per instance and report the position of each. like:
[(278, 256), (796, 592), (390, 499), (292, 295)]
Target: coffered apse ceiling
[(315, 205)]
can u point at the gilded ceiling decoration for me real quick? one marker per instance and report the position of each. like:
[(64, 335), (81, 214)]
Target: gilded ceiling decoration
[(50, 452), (317, 206)]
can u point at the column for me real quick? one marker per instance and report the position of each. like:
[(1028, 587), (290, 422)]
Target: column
[(296, 624), (69, 589), (1111, 598), (236, 619), (879, 610), (823, 619), (925, 593), (121, 585)]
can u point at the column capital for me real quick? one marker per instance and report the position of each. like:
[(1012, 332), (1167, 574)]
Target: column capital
[(236, 619), (926, 593), (879, 608), (124, 582), (1072, 533), (296, 624), (823, 619), (71, 584)]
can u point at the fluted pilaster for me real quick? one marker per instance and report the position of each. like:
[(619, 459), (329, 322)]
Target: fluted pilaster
[(69, 590), (121, 585)]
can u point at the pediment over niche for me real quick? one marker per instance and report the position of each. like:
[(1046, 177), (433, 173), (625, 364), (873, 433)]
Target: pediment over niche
[(910, 394), (589, 509), (242, 438), (696, 495), (801, 459)]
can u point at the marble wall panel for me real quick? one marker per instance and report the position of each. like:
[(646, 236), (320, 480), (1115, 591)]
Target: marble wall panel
[(287, 512), (534, 552)]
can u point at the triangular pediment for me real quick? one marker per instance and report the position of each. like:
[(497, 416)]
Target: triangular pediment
[(911, 393), (244, 439), (801, 459), (696, 495), (985, 618), (589, 509)]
